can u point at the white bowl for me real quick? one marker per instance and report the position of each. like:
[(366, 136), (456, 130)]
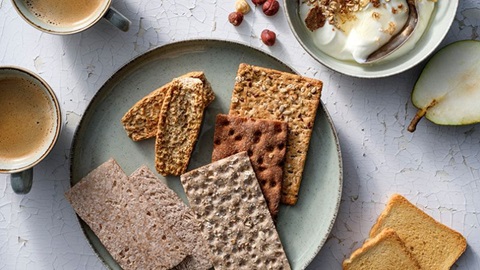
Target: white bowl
[(439, 24)]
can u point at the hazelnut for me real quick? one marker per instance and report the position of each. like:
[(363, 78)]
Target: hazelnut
[(258, 2), (270, 7), (235, 18), (242, 6), (268, 37)]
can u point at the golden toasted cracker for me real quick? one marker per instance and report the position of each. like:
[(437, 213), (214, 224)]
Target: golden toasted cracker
[(141, 121), (179, 124), (270, 94)]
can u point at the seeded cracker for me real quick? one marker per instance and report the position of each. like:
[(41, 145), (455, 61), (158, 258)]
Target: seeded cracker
[(265, 142), (179, 124), (271, 94), (141, 121), (227, 200), (108, 202)]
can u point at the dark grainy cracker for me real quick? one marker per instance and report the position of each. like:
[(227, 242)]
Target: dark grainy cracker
[(265, 142), (270, 94)]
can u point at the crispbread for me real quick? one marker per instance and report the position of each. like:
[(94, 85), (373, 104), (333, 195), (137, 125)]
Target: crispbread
[(162, 203), (271, 94), (265, 142), (141, 121), (385, 251), (188, 230), (179, 124), (434, 245), (107, 201), (227, 200)]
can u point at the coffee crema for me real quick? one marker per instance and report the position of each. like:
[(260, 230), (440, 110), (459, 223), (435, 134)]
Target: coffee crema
[(64, 13), (27, 119)]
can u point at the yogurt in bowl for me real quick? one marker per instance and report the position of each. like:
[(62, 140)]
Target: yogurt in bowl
[(407, 56), (351, 30)]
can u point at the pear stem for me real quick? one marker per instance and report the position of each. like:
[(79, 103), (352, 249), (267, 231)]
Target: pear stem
[(420, 113), (413, 124)]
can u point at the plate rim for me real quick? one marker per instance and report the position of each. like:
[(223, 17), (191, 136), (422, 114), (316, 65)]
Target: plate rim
[(165, 46)]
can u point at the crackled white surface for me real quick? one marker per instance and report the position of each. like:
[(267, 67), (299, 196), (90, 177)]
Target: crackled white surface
[(437, 168)]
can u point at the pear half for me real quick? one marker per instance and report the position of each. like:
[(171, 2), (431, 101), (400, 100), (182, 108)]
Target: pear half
[(448, 89)]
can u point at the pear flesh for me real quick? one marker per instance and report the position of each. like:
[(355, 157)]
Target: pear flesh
[(448, 89)]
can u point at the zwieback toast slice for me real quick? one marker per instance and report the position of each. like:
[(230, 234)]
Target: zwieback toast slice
[(270, 94), (141, 121), (434, 245), (385, 251), (179, 124)]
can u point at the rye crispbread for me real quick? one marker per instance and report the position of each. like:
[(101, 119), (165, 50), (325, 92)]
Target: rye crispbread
[(385, 251), (141, 121), (179, 124), (188, 230), (265, 142), (270, 94), (434, 245), (108, 202), (162, 203), (227, 200)]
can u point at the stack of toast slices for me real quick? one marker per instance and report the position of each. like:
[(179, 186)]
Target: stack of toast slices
[(405, 237)]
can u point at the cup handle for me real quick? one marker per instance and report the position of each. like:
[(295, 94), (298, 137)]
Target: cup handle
[(22, 181), (117, 19)]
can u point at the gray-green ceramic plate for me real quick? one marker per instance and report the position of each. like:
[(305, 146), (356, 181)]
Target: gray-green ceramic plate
[(439, 24), (303, 228)]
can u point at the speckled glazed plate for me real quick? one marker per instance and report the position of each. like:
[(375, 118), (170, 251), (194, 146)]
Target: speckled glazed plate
[(439, 24), (303, 228)]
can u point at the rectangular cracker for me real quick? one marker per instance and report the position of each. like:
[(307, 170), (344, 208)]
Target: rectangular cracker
[(107, 201), (265, 142), (141, 121), (434, 245), (386, 251), (227, 200), (179, 125), (270, 94), (162, 203)]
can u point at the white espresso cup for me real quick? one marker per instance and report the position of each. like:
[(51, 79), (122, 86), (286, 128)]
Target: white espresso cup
[(63, 17), (30, 121)]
